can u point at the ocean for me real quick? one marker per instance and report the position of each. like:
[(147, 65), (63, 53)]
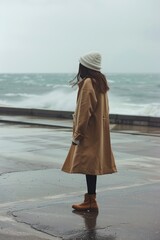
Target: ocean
[(132, 94)]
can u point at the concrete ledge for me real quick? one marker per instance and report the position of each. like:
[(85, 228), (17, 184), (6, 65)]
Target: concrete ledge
[(35, 112), (114, 118), (135, 120)]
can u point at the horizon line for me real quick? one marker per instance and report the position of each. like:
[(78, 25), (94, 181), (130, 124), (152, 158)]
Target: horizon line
[(75, 72)]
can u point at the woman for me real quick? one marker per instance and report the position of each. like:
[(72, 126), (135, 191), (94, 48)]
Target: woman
[(90, 152)]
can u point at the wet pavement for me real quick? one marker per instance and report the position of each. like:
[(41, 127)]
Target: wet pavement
[(36, 196)]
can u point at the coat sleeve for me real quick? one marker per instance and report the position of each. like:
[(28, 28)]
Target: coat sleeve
[(86, 105)]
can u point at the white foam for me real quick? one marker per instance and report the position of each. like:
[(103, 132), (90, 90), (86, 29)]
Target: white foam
[(152, 109), (19, 95)]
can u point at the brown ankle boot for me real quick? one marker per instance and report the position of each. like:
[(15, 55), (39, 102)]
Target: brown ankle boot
[(88, 204)]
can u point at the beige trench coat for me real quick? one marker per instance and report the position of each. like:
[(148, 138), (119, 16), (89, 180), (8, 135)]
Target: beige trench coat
[(93, 155)]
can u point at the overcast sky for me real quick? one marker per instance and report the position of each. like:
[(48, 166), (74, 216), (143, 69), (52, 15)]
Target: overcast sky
[(50, 35)]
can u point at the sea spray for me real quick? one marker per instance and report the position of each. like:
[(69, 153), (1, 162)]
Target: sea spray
[(55, 100)]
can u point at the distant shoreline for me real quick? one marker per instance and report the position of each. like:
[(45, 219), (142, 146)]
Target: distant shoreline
[(114, 118)]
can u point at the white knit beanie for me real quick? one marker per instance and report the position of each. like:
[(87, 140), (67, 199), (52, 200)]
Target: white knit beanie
[(91, 60)]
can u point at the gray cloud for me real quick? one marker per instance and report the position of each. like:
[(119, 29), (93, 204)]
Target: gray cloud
[(50, 35)]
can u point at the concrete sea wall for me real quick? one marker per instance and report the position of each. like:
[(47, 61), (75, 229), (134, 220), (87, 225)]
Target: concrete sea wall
[(114, 118)]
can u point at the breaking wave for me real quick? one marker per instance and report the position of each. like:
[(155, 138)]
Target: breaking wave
[(64, 98)]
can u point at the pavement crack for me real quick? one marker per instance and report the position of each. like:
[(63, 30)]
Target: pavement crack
[(4, 173), (15, 216), (29, 170)]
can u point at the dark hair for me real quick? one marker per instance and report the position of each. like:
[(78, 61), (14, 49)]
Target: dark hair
[(98, 79)]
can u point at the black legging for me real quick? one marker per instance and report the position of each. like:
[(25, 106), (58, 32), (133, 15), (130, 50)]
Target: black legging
[(91, 183)]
